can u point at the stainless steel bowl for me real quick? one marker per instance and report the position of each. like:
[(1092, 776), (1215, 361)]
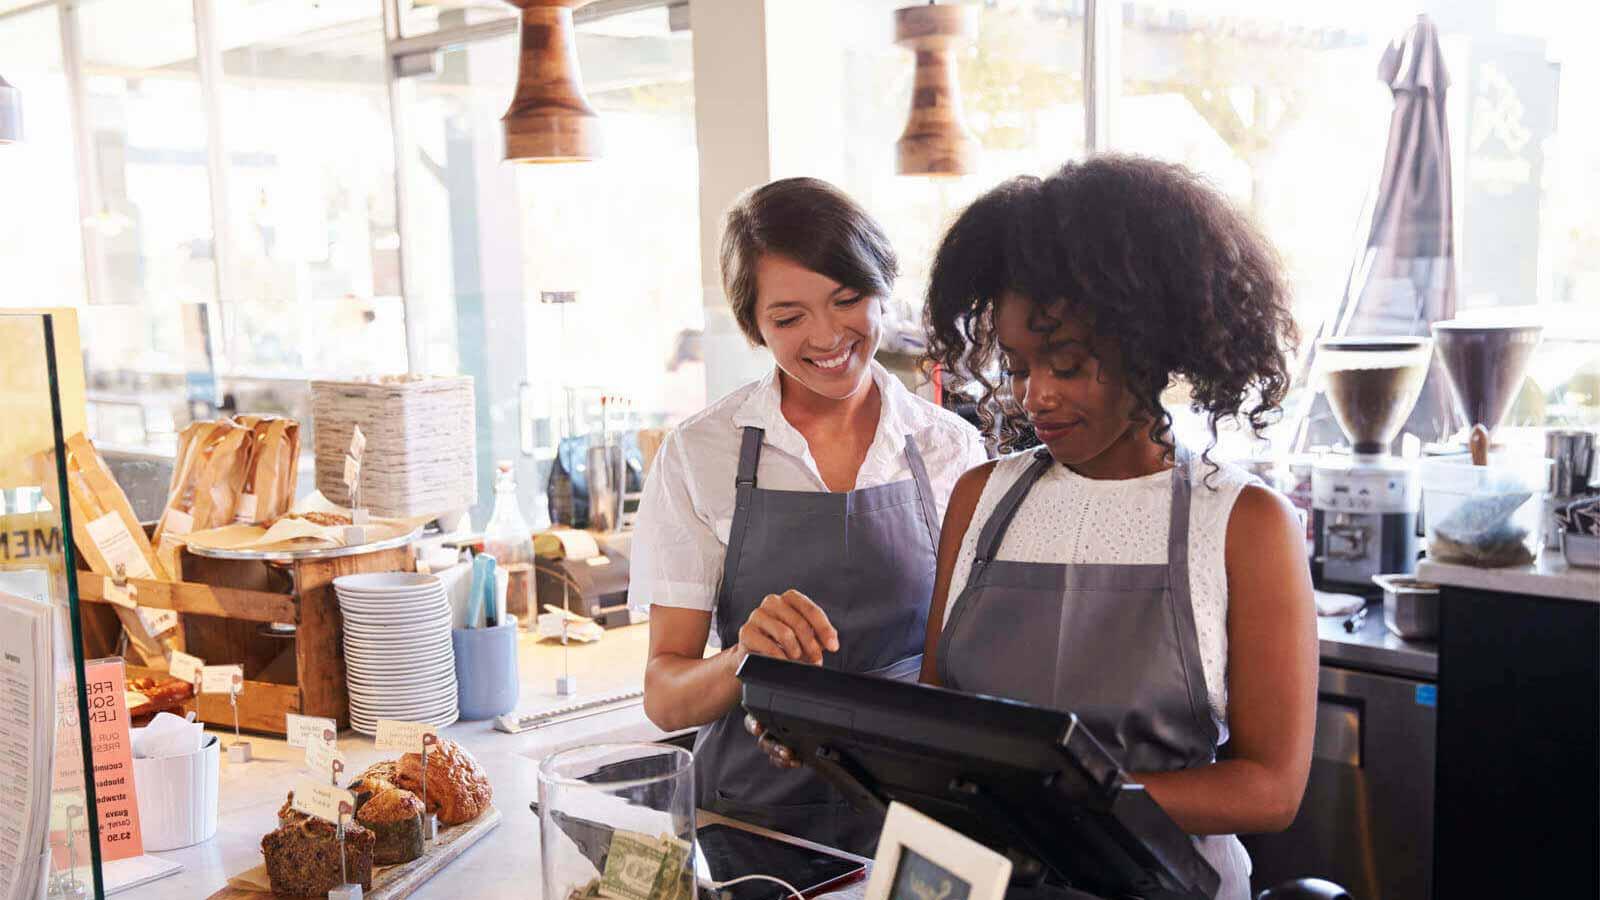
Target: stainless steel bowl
[(1410, 607), (1581, 550)]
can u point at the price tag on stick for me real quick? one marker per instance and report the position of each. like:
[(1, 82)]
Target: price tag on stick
[(184, 667)]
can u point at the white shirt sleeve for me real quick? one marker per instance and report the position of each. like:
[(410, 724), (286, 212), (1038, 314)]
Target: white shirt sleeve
[(677, 557), (977, 454)]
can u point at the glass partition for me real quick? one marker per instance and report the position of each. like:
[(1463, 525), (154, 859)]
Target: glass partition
[(49, 835)]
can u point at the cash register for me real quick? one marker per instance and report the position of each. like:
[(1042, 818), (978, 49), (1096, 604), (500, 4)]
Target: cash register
[(1029, 782)]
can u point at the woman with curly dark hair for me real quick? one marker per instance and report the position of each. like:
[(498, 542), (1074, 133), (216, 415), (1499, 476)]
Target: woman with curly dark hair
[(1164, 599)]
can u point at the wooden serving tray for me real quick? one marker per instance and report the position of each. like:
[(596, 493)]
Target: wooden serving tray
[(395, 882)]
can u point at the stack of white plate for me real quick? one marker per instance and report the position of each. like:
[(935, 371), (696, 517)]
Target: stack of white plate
[(397, 655)]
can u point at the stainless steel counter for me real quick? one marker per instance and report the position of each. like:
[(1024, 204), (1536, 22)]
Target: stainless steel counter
[(1373, 648)]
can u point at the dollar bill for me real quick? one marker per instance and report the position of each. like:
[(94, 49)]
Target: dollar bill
[(673, 876), (633, 866)]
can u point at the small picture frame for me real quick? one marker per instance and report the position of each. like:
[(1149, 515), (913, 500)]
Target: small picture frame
[(921, 859)]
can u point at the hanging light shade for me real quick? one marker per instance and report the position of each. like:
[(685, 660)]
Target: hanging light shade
[(550, 121), (10, 113), (936, 142)]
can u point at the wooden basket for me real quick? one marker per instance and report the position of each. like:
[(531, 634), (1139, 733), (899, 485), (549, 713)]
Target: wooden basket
[(225, 605)]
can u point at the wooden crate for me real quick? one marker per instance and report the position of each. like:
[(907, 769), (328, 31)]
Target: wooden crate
[(223, 605)]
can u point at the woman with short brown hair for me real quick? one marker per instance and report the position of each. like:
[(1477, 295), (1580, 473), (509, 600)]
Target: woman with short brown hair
[(800, 513)]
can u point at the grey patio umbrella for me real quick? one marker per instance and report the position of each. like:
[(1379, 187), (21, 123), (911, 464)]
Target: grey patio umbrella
[(1404, 276)]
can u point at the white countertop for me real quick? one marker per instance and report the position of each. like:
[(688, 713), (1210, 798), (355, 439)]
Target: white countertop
[(1549, 576), (503, 865)]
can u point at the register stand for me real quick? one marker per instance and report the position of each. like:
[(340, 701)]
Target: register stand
[(1029, 782)]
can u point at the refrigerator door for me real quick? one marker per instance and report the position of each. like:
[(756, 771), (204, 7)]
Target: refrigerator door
[(1366, 822)]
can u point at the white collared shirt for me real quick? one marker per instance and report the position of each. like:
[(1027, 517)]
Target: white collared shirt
[(687, 510)]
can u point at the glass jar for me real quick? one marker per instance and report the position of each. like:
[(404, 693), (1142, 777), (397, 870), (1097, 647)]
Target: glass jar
[(621, 815)]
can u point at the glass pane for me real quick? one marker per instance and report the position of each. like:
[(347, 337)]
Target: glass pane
[(1281, 106), (53, 831), (314, 280), (151, 223), (1282, 110), (151, 233), (1022, 95), (40, 250), (494, 241), (425, 16)]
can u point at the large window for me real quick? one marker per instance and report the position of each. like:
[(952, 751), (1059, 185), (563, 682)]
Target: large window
[(39, 246), (1282, 110), (1280, 105), (314, 263), (221, 195), (556, 285)]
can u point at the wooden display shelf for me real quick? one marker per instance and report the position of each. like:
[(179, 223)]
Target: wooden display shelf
[(397, 882), (224, 605)]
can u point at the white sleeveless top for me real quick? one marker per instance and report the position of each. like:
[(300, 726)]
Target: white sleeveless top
[(1068, 518)]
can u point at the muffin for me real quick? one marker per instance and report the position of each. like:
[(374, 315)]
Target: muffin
[(458, 791), (393, 815)]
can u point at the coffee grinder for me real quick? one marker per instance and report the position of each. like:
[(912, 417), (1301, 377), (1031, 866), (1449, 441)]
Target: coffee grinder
[(1485, 365), (1364, 502)]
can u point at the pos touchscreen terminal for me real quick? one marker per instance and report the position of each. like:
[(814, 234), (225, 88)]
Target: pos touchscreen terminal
[(1029, 782)]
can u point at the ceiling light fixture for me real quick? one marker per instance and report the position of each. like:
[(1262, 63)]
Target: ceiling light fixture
[(550, 121), (936, 142)]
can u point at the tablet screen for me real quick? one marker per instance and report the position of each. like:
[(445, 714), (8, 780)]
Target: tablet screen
[(727, 853)]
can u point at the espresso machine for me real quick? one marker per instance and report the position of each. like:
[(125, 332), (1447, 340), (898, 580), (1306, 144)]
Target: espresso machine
[(1364, 501)]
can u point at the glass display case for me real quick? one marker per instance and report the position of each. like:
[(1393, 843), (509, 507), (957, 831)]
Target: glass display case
[(51, 837)]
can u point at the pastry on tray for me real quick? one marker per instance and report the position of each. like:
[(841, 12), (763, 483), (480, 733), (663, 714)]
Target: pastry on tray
[(324, 519), (458, 791), (303, 854), (392, 813), (147, 696)]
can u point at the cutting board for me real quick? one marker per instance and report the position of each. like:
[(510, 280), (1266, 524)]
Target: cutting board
[(395, 882)]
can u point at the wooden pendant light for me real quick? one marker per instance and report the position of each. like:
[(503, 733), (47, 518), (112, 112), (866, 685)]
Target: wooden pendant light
[(550, 121), (936, 142)]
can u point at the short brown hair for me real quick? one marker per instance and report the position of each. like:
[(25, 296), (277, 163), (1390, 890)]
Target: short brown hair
[(812, 223)]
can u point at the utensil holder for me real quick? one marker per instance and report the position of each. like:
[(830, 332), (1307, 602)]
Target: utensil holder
[(487, 682)]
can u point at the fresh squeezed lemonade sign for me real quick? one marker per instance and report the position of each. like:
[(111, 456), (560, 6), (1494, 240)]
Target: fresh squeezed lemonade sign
[(114, 796)]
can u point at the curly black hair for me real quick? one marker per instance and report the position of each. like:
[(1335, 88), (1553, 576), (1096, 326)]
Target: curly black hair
[(1153, 258)]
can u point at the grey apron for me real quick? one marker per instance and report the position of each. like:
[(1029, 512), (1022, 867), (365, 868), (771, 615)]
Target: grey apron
[(1115, 644), (866, 557)]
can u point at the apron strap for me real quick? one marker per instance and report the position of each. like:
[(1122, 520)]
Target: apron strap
[(749, 456), (919, 474), (1178, 528), (1181, 597), (744, 492), (994, 530)]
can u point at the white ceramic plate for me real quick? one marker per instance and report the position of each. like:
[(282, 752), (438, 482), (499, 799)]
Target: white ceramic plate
[(380, 604), (377, 669), (423, 658), (405, 631), (401, 669), (382, 581), (436, 716), (384, 703), (389, 599), (372, 647)]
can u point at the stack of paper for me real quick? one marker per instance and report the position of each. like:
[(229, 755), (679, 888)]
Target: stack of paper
[(27, 743)]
